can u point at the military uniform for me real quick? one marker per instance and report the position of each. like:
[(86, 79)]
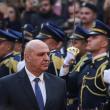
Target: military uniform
[(56, 61), (16, 59), (92, 89), (51, 30), (22, 39), (8, 65), (72, 85), (80, 35), (4, 70), (16, 52), (89, 89), (7, 62)]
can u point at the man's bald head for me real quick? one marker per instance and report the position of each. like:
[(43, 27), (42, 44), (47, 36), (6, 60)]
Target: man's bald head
[(36, 56), (34, 44)]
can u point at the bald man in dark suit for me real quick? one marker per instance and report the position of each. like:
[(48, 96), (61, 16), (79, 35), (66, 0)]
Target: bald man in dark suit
[(19, 91)]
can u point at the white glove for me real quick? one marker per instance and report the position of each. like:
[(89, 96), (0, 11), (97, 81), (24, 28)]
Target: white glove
[(64, 71), (107, 76), (71, 54)]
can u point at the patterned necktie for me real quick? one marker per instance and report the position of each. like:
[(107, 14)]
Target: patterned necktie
[(38, 94)]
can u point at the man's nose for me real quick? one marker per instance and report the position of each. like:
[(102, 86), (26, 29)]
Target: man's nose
[(46, 56)]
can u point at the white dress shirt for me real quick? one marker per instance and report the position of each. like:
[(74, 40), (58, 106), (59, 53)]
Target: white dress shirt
[(41, 83)]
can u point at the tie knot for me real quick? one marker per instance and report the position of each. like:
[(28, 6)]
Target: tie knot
[(37, 80)]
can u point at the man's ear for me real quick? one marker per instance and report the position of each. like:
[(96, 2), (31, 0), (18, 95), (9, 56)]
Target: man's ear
[(105, 43), (27, 57)]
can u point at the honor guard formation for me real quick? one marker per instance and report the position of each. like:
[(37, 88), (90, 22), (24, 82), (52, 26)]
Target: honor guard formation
[(55, 55)]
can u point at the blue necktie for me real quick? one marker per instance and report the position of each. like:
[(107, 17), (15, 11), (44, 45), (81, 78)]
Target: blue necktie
[(38, 94)]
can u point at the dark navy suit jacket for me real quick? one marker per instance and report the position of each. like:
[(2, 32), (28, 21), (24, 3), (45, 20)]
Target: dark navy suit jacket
[(16, 93)]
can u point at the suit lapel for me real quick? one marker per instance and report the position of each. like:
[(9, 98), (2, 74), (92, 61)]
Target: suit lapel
[(27, 88), (48, 86)]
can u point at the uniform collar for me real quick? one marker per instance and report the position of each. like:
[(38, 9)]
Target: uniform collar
[(100, 56)]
